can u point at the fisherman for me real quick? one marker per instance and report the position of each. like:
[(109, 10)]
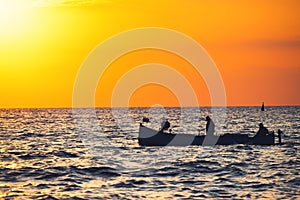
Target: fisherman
[(262, 131), (210, 126), (165, 125), (263, 136), (146, 119)]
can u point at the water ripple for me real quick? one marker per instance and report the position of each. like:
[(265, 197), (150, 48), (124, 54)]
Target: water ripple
[(43, 157)]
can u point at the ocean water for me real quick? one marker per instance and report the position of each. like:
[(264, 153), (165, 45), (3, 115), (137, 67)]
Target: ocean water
[(56, 154)]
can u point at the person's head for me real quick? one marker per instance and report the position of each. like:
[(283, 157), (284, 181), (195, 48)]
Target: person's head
[(261, 125), (207, 118)]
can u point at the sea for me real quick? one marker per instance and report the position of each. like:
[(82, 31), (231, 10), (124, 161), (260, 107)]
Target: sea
[(94, 154)]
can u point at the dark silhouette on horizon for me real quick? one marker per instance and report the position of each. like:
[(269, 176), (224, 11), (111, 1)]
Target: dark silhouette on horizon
[(262, 107), (210, 126)]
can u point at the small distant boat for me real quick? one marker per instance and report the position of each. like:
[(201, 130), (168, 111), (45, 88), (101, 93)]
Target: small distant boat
[(151, 137), (262, 107)]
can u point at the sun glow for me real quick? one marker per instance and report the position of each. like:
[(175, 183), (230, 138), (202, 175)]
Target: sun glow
[(255, 45), (12, 6), (13, 15)]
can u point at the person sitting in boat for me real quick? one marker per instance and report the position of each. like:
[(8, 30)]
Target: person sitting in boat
[(263, 136), (165, 125), (145, 119), (210, 126), (262, 131)]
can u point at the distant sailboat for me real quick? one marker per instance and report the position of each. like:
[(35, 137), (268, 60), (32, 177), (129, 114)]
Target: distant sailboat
[(262, 107)]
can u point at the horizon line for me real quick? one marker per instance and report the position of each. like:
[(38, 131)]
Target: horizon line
[(105, 107)]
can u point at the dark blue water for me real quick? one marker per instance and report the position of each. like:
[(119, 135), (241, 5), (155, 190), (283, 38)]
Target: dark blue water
[(43, 155)]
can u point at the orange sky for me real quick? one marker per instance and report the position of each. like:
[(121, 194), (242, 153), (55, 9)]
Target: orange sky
[(255, 44)]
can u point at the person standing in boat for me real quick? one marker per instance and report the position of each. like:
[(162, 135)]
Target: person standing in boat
[(210, 126)]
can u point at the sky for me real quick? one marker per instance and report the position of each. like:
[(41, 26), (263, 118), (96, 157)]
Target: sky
[(43, 43)]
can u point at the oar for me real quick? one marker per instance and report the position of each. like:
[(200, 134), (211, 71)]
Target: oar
[(280, 133), (262, 109)]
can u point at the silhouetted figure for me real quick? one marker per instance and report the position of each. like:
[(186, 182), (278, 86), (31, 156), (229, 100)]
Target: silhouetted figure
[(279, 136), (262, 107), (165, 125), (146, 119), (262, 131), (263, 136), (210, 126)]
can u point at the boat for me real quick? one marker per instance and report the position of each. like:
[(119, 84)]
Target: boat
[(262, 108), (151, 137)]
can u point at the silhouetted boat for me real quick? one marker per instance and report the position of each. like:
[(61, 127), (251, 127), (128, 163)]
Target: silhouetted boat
[(262, 108), (151, 137)]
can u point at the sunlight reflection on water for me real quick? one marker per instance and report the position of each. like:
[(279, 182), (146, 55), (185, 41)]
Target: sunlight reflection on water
[(42, 156)]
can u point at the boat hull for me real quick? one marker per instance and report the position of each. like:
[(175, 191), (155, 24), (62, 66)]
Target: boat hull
[(150, 137)]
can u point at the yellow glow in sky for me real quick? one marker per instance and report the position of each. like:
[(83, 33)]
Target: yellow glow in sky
[(255, 44), (13, 16)]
